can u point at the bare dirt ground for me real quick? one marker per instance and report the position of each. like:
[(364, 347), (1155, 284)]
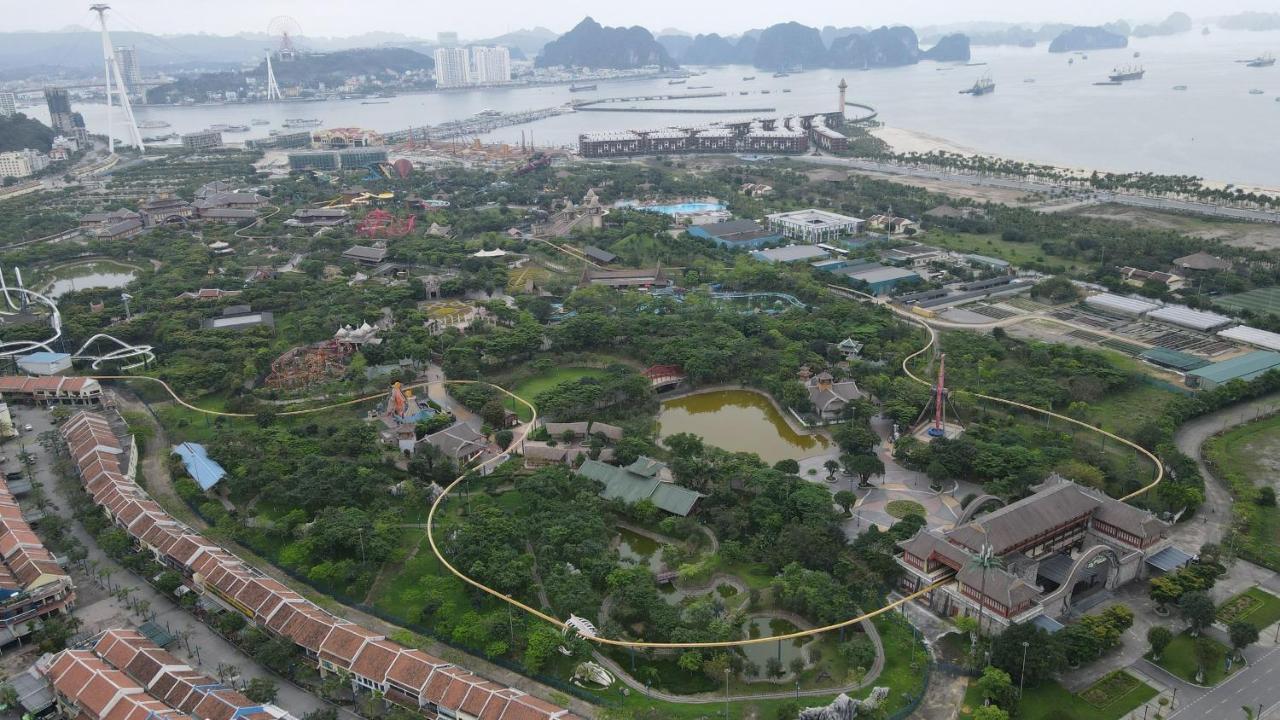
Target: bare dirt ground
[(1260, 236)]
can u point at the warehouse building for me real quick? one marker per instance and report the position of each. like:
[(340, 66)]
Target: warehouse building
[(814, 226), (1244, 368), (789, 254), (880, 279), (736, 234), (1120, 304), (1183, 316), (1252, 336)]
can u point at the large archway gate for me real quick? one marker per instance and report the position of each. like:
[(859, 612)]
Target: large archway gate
[(1078, 568)]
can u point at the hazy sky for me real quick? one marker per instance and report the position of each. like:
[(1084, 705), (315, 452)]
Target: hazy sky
[(491, 17)]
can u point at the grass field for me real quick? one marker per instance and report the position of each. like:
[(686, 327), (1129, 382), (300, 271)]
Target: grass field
[(1115, 695), (1259, 300), (1124, 412), (1255, 606), (991, 245), (1180, 659), (1244, 458), (530, 387)]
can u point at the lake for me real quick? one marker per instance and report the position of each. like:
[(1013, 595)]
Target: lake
[(105, 274), (640, 549), (738, 421), (764, 626), (1214, 129)]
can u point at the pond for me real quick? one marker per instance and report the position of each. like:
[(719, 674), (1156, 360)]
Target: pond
[(84, 275), (640, 550), (738, 421), (764, 626), (677, 209)]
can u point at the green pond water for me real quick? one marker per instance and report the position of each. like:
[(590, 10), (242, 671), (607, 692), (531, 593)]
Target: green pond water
[(760, 653), (640, 549), (83, 275), (738, 421)]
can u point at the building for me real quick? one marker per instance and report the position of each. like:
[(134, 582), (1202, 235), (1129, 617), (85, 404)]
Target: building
[(51, 390), (44, 363), (63, 147), (1263, 339), (121, 230), (95, 221), (628, 278), (318, 217), (239, 317), (1243, 368), (1184, 316), (1136, 276), (915, 255), (407, 677), (447, 39), (461, 442), (490, 65), (453, 67), (234, 200), (347, 159), (61, 118), (1120, 304), (879, 279), (814, 226), (164, 208), (829, 397), (202, 140), (130, 73), (283, 141), (365, 255), (8, 104), (203, 469), (736, 234), (790, 254), (228, 215), (644, 479), (1056, 546), (22, 163), (1201, 262), (32, 583)]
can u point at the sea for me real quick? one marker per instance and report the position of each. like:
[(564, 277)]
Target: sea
[(1046, 107)]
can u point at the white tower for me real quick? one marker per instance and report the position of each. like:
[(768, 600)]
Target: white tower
[(842, 87), (273, 90), (112, 65)]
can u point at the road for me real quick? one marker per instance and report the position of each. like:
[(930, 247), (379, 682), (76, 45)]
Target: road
[(1255, 687), (1029, 185), (107, 613)]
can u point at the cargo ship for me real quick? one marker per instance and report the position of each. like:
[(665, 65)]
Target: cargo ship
[(1262, 61), (581, 88), (1128, 73), (259, 121), (152, 124), (984, 86), (301, 123), (748, 77), (229, 128)]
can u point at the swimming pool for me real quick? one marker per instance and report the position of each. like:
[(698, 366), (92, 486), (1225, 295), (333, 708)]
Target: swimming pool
[(688, 208)]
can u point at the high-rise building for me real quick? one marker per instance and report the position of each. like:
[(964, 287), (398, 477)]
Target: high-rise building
[(491, 65), (21, 163), (8, 104), (127, 59), (447, 39), (62, 118), (453, 67)]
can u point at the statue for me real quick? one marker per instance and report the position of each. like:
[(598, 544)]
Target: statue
[(844, 707)]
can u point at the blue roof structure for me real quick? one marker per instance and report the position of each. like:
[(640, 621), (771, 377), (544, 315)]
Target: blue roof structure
[(1047, 623), (204, 470), (45, 357), (1170, 558)]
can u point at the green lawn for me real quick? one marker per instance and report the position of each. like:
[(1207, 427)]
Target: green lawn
[(1244, 458), (1124, 412), (992, 246), (530, 387), (1259, 608), (1051, 701), (1179, 658)]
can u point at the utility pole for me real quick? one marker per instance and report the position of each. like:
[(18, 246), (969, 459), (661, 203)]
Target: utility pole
[(1022, 676)]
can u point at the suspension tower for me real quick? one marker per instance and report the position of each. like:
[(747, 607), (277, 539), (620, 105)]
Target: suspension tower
[(112, 67), (273, 90), (938, 425), (939, 428)]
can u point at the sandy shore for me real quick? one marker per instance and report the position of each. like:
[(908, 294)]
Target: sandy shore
[(902, 140)]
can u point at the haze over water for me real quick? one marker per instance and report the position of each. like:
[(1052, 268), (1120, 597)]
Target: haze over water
[(1214, 129)]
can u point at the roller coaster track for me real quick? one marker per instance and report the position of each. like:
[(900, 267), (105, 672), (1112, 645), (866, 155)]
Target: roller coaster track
[(527, 427)]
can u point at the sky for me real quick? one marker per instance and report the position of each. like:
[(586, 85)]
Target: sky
[(327, 18)]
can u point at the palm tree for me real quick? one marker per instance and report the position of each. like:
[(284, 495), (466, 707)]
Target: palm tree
[(986, 559)]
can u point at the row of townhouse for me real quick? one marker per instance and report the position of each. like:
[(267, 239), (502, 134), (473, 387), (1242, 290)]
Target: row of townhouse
[(128, 677), (52, 389), (32, 583), (408, 677)]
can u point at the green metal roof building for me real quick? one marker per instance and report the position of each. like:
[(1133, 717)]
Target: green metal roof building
[(1246, 367), (1180, 361), (641, 480)]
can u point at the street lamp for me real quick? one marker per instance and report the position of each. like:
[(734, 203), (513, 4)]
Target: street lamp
[(1022, 676), (726, 694)]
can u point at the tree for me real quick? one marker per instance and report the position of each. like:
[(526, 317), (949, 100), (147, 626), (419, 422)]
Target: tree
[(788, 466), (1197, 609), (1159, 637), (1242, 634), (996, 687), (1007, 653), (864, 466), (831, 466), (1165, 591), (262, 690), (796, 666), (690, 661), (937, 472), (1266, 496), (541, 645), (855, 437), (773, 667), (1206, 653), (989, 712), (845, 500)]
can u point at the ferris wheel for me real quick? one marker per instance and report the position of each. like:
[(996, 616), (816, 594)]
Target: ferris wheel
[(287, 30)]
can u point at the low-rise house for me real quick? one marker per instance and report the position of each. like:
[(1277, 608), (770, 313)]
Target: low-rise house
[(44, 363), (1136, 276), (95, 221), (541, 454), (207, 294), (1201, 262), (32, 583), (239, 317), (644, 479), (365, 255), (829, 398), (916, 255), (459, 441), (629, 278), (318, 217), (162, 209), (228, 215), (891, 224), (121, 230), (52, 390)]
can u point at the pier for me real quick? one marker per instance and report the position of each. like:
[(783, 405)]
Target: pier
[(477, 125), (707, 111)]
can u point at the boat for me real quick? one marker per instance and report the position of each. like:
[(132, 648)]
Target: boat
[(1137, 54), (1108, 82), (581, 88), (152, 124), (764, 92), (781, 74), (748, 77), (1262, 61), (1084, 57), (1256, 91), (375, 102), (302, 122), (983, 86), (160, 138), (489, 113), (222, 127), (259, 121), (1071, 61), (1179, 87), (1029, 80), (786, 89), (1204, 31), (742, 92), (676, 82), (1133, 72), (699, 87)]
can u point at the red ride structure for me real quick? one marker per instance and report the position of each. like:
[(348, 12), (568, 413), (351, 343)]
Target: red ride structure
[(380, 223)]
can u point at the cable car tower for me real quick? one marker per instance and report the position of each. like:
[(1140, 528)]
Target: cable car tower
[(113, 66)]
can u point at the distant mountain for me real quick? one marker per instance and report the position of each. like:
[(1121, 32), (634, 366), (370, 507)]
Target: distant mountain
[(951, 48), (675, 45), (991, 33), (1087, 38), (530, 42), (831, 33), (710, 50), (1178, 22), (1251, 21), (789, 45), (882, 47), (1118, 27), (590, 44)]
